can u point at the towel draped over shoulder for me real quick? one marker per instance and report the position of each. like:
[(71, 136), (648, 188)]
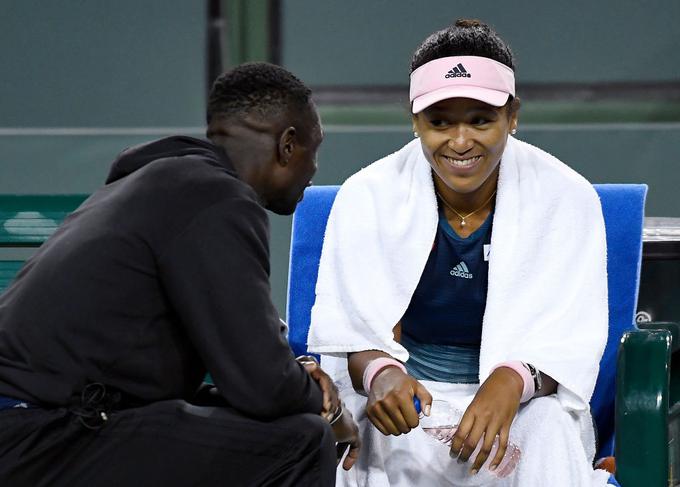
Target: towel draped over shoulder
[(547, 292)]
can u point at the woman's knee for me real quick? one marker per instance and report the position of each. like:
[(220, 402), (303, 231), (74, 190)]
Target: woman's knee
[(541, 407), (545, 417)]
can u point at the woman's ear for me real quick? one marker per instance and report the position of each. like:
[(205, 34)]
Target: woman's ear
[(513, 114), (513, 107)]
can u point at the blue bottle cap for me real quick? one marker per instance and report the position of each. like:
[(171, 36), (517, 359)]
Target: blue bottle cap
[(416, 403)]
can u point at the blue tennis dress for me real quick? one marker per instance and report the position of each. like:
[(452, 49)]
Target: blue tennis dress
[(442, 327)]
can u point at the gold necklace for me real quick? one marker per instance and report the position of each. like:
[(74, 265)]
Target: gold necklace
[(463, 217)]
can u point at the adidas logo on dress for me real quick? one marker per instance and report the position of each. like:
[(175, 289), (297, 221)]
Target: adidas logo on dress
[(458, 71), (461, 270)]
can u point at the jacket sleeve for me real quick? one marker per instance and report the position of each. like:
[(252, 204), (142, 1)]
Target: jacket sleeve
[(216, 276)]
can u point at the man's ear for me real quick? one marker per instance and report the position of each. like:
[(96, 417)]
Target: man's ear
[(286, 145)]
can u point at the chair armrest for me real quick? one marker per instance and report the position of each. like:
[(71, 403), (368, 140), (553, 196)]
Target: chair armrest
[(673, 328), (642, 379), (674, 391)]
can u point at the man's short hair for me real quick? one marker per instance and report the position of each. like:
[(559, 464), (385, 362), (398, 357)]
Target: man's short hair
[(260, 88)]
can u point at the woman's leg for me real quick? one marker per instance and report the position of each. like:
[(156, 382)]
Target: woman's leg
[(409, 460), (557, 446)]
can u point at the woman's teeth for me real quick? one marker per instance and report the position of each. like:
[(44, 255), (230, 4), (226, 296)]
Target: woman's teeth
[(463, 162)]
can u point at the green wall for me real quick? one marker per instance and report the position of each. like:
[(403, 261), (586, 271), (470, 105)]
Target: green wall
[(357, 42), (83, 80), (97, 63)]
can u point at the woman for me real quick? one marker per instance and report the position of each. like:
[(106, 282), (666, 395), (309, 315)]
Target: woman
[(471, 267)]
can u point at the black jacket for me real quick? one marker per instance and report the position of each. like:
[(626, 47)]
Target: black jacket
[(160, 275)]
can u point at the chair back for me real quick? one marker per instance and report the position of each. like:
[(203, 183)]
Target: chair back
[(623, 210)]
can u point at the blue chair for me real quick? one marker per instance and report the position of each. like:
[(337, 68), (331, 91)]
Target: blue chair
[(623, 209)]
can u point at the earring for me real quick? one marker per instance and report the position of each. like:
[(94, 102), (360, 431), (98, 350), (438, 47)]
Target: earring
[(415, 134), (513, 131)]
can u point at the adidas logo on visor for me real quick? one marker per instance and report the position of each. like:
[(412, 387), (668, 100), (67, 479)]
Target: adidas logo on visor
[(461, 270), (458, 71)]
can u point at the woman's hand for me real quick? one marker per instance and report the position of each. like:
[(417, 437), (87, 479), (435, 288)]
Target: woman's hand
[(489, 414), (390, 401), (347, 433)]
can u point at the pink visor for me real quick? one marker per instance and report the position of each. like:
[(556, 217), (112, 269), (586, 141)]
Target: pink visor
[(474, 77)]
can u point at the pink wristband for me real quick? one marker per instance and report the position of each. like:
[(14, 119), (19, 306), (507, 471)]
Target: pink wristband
[(529, 389), (376, 366)]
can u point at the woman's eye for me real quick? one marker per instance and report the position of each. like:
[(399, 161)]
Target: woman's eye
[(480, 121), (438, 122)]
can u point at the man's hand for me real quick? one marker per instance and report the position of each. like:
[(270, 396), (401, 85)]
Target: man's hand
[(331, 399), (347, 433), (390, 401), (345, 428), (489, 414)]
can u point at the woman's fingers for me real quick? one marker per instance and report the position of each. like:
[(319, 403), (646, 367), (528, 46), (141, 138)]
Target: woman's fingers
[(390, 401), (393, 417), (395, 410), (472, 440), (462, 432), (490, 414), (504, 436), (424, 397), (380, 416), (376, 418), (490, 435), (408, 409)]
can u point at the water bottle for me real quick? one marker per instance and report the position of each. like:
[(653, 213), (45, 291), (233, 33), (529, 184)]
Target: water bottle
[(442, 424)]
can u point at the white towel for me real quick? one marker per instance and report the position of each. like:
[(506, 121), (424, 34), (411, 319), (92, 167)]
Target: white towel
[(547, 292), (552, 441)]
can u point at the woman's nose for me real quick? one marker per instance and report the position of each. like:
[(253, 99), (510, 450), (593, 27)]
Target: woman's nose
[(460, 139)]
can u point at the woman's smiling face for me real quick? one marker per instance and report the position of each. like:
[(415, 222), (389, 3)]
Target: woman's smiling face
[(463, 139)]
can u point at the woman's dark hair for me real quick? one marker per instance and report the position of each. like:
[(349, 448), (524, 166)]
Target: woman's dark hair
[(465, 38)]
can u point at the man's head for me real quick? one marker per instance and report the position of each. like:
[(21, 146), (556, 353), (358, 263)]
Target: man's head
[(265, 119)]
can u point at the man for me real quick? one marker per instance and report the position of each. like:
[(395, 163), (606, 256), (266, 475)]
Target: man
[(160, 276)]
